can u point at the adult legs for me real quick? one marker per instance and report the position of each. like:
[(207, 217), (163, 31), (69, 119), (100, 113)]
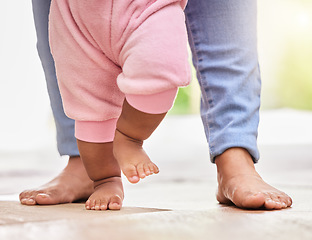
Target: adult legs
[(223, 40), (73, 182)]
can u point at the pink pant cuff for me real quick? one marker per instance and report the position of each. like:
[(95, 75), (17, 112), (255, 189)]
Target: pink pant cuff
[(154, 103), (96, 132)]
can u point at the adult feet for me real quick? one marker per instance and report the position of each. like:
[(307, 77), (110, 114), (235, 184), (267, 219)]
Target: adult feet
[(241, 185), (108, 194), (72, 184), (132, 159)]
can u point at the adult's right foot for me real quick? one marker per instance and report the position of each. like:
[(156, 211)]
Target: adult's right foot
[(71, 185), (241, 185)]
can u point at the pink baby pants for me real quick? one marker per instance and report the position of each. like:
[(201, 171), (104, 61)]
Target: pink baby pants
[(109, 50)]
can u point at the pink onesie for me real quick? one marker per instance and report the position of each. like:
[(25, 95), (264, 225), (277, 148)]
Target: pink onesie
[(109, 50)]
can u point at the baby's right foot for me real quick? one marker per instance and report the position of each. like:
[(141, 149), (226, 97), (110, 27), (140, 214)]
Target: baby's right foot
[(132, 158), (108, 194)]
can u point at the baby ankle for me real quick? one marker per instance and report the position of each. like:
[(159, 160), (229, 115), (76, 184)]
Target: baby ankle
[(97, 183), (136, 140)]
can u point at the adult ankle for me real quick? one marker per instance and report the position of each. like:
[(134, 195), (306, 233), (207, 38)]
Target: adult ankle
[(234, 159)]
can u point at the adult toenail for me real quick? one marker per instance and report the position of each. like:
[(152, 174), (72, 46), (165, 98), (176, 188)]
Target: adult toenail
[(278, 203), (31, 200), (44, 195)]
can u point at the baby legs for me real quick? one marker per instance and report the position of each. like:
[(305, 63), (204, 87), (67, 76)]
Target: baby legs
[(133, 127), (102, 160), (117, 61), (104, 170)]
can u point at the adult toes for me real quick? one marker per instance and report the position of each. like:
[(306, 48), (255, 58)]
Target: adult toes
[(289, 201), (30, 201), (272, 202), (27, 198), (45, 199), (253, 200)]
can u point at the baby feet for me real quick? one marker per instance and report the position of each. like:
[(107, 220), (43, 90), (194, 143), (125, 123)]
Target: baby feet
[(108, 194), (132, 159)]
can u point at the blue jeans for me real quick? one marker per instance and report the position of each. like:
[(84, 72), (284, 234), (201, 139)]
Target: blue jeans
[(223, 40), (222, 36), (65, 127)]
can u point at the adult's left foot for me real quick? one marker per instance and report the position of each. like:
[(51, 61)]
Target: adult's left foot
[(241, 185)]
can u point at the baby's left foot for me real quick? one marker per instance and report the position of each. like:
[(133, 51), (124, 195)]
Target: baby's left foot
[(108, 194), (132, 158)]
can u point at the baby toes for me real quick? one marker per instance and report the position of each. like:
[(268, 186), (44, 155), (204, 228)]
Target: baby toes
[(115, 203), (88, 205), (131, 174), (155, 168), (140, 170), (147, 170), (103, 205)]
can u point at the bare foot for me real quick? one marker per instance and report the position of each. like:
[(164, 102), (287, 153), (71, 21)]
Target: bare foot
[(240, 184), (72, 184), (108, 194), (132, 158)]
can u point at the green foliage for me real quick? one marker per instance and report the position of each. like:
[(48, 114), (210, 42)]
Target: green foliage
[(182, 102), (188, 98), (295, 78)]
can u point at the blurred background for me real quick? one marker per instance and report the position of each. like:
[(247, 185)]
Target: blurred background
[(285, 54)]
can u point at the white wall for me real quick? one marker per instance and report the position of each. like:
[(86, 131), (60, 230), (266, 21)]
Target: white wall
[(25, 118)]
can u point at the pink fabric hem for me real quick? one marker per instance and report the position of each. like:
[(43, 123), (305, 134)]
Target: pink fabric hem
[(96, 132), (154, 103)]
